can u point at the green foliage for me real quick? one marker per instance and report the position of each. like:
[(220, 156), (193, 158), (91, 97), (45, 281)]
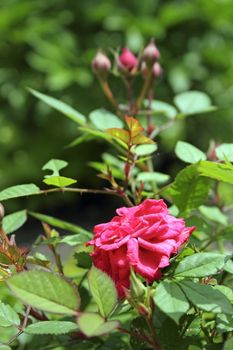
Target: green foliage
[(8, 316), (51, 327), (188, 153), (200, 265), (187, 307), (103, 291), (189, 190), (19, 191), (92, 324), (206, 297), (60, 224), (171, 300), (13, 222), (60, 107), (216, 171), (193, 102), (46, 291), (224, 152), (103, 119)]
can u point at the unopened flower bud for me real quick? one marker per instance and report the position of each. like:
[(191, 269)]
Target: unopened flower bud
[(157, 70), (138, 290), (101, 64), (127, 60), (151, 53), (2, 211)]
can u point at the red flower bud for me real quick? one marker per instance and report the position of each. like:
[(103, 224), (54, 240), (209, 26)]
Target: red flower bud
[(127, 60), (157, 70), (150, 53), (101, 64)]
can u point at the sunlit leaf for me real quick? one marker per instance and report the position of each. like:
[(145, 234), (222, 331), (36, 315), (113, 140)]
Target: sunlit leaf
[(171, 300), (55, 165), (92, 324), (103, 290), (51, 327), (8, 316), (60, 106), (19, 191), (193, 102), (120, 134), (59, 181), (188, 153), (13, 222), (45, 291), (103, 119), (201, 265)]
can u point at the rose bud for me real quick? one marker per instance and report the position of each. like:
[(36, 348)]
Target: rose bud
[(150, 53), (157, 70), (2, 211), (127, 61), (101, 64)]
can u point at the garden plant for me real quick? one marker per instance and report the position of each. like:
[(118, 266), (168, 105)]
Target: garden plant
[(158, 275)]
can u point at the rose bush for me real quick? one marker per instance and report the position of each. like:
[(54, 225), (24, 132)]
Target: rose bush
[(143, 237)]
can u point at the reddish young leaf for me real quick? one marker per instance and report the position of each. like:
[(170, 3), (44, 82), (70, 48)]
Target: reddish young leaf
[(141, 140), (134, 126), (120, 134)]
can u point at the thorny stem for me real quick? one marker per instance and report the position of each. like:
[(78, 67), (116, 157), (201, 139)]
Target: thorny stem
[(140, 336), (22, 327), (107, 191), (156, 345)]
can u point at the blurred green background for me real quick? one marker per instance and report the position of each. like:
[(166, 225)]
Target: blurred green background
[(49, 45)]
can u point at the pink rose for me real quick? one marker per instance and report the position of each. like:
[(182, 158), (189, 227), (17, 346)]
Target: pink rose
[(128, 60), (143, 237)]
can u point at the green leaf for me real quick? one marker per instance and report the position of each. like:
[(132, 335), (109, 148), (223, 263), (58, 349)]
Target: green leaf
[(19, 191), (213, 214), (103, 119), (224, 323), (13, 222), (45, 291), (59, 181), (164, 108), (93, 325), (4, 347), (60, 107), (225, 151), (61, 224), (145, 150), (73, 240), (193, 102), (228, 344), (8, 316), (55, 165), (200, 265), (228, 292), (206, 297), (156, 177), (103, 290), (171, 300), (189, 190), (83, 259), (189, 153), (51, 327), (216, 171), (229, 266)]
